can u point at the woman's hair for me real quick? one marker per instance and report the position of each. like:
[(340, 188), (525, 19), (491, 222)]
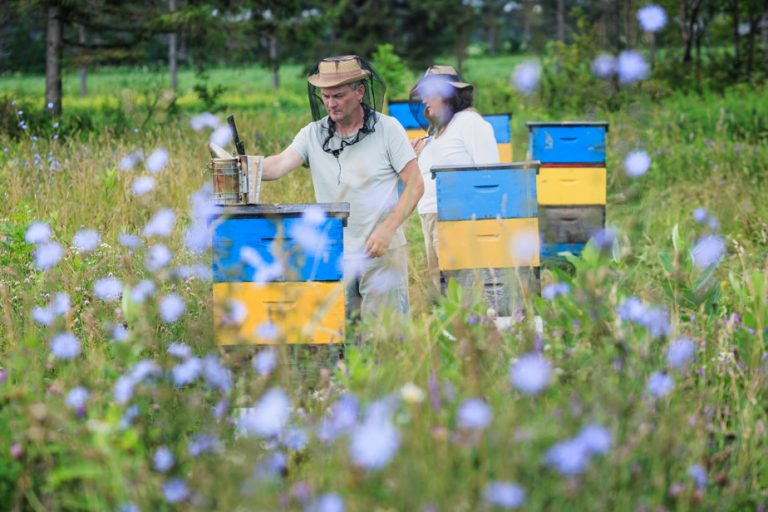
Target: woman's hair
[(461, 100)]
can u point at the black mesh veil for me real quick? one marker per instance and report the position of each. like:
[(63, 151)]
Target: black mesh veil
[(435, 84)]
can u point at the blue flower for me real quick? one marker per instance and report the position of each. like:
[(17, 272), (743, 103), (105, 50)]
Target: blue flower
[(108, 289), (596, 439), (142, 185), (128, 507), (700, 215), (130, 160), (680, 353), (326, 503), (37, 232), (660, 384), (76, 397), (265, 361), (632, 67), (268, 417), (157, 160), (157, 257), (47, 255), (86, 240), (123, 390), (604, 66), (373, 444), (569, 457), (186, 372), (474, 414), (553, 290), (271, 468), (163, 459), (294, 439), (221, 136), (216, 375), (637, 163), (161, 223), (204, 120), (656, 320), (65, 346), (504, 494), (526, 77), (142, 291), (341, 417), (175, 490), (129, 241), (631, 309), (652, 18), (202, 443), (699, 475), (530, 374), (708, 251), (43, 316), (179, 350), (171, 308)]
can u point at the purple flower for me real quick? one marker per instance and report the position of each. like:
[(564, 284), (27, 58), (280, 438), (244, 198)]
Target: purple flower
[(474, 414), (202, 443), (37, 232), (631, 66), (268, 331), (76, 398), (700, 215), (221, 136), (656, 320), (637, 163), (179, 350), (504, 494), (130, 160), (652, 18), (604, 238), (157, 160), (660, 384), (65, 346), (373, 443), (268, 417), (187, 371), (108, 289), (127, 506), (708, 251), (86, 240), (171, 308), (569, 457), (47, 255), (119, 333), (631, 310), (265, 361), (161, 223), (596, 439), (699, 475), (163, 459), (294, 439), (142, 185), (271, 468), (530, 374), (215, 374), (553, 290), (123, 390), (198, 237), (342, 417), (157, 257), (680, 353), (326, 503), (604, 66), (129, 241), (175, 490), (142, 291), (43, 316), (526, 77)]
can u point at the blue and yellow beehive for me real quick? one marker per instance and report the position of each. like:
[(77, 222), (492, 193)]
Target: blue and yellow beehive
[(284, 269), (571, 184), (401, 110), (488, 229)]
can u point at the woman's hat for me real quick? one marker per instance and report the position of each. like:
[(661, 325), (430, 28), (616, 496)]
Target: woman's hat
[(335, 71), (448, 73)]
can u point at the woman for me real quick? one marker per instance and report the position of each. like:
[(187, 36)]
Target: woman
[(456, 135)]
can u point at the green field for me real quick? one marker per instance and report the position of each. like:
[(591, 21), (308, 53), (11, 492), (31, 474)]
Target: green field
[(707, 151)]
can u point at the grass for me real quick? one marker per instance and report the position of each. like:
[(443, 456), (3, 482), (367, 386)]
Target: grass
[(706, 152)]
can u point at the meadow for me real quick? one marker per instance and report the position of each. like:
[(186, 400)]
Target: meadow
[(644, 391)]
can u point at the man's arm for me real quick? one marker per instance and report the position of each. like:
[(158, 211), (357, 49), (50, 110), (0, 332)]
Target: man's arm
[(378, 241), (277, 166)]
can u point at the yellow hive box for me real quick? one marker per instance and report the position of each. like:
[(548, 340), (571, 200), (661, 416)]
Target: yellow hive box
[(309, 312), (492, 243), (571, 185)]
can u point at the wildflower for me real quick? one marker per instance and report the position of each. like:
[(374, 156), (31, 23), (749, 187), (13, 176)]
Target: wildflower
[(355, 264), (161, 223), (179, 350), (204, 120), (47, 255), (65, 346), (474, 414), (108, 289), (175, 490), (43, 316), (86, 240), (128, 506), (143, 290), (412, 394), (708, 251), (37, 232), (202, 443), (129, 241), (157, 160), (652, 18), (16, 451), (235, 313), (313, 216), (637, 163), (128, 416), (309, 237), (76, 398), (130, 160), (268, 331), (631, 310), (383, 280), (656, 320), (221, 136), (373, 444), (50, 105), (220, 409), (157, 257), (604, 238), (660, 384), (530, 374), (268, 417), (326, 503), (163, 459), (504, 494), (142, 185), (119, 333), (699, 475), (569, 457), (680, 353), (273, 467), (342, 417), (171, 308), (198, 237), (435, 85), (526, 77), (265, 361), (123, 390), (700, 215), (631, 67), (145, 369), (294, 439), (595, 438), (604, 66), (215, 374), (524, 247), (553, 290), (186, 372)]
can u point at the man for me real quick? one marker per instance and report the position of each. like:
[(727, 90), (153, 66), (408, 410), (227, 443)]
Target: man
[(356, 155)]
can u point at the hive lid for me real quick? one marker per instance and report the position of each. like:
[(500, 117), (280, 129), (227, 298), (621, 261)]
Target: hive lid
[(335, 210), (603, 124), (534, 164)]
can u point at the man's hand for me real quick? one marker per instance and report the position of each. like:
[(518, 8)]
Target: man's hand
[(418, 145), (378, 243)]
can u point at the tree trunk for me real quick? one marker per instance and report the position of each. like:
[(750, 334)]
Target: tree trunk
[(492, 37), (53, 59), (172, 50), (689, 13), (527, 13), (617, 23), (736, 39), (275, 64), (764, 31), (754, 18), (83, 67), (561, 20)]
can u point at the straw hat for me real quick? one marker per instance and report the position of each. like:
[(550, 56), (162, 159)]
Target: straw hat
[(335, 71), (448, 72)]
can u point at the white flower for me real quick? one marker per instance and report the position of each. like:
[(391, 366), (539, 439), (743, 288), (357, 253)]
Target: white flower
[(157, 160), (171, 308), (652, 18), (637, 163), (37, 232), (631, 67), (108, 289), (526, 76), (268, 417), (530, 374), (221, 136), (412, 394), (142, 185), (161, 223), (86, 240)]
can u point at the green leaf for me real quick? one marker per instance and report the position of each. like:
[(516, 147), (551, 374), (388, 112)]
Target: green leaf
[(666, 262), (82, 471), (676, 238)]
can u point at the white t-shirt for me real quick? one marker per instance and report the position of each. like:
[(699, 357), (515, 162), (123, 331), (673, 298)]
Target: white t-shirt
[(365, 175), (468, 139)]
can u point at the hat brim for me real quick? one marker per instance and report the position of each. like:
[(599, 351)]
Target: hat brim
[(337, 79), (461, 85)]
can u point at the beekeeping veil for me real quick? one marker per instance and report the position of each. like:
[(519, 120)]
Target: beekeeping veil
[(342, 70), (441, 81)]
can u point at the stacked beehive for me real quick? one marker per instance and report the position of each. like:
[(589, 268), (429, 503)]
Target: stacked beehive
[(278, 274), (488, 233), (571, 184)]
